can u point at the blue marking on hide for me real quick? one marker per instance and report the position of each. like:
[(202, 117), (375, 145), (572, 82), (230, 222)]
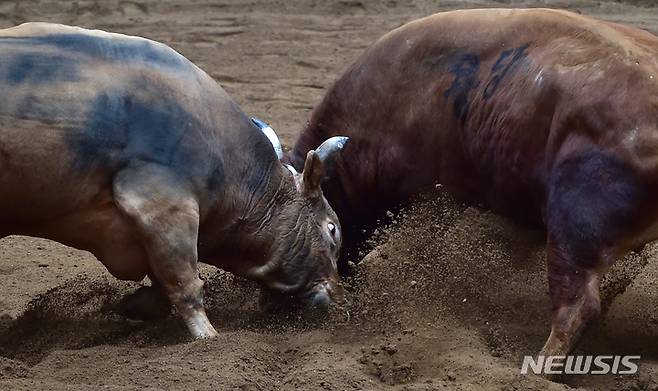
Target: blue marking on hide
[(594, 199), (506, 64), (110, 49), (465, 70), (37, 68), (121, 128)]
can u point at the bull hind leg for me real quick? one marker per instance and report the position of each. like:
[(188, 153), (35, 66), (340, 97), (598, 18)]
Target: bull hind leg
[(594, 199), (167, 215)]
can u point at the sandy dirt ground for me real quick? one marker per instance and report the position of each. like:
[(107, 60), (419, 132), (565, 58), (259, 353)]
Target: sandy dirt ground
[(448, 297)]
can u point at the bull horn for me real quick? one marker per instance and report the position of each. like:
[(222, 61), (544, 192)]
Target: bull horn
[(271, 135), (330, 147), (291, 169)]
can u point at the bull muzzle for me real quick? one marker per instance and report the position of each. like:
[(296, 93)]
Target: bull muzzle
[(324, 295), (317, 300)]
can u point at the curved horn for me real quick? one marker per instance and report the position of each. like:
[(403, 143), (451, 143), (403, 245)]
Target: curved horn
[(291, 169), (331, 146), (271, 135)]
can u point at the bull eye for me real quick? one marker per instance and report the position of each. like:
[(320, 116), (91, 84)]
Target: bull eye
[(332, 229)]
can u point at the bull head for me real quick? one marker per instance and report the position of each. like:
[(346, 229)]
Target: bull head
[(327, 229)]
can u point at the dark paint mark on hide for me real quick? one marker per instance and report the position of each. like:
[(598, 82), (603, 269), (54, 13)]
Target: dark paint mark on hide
[(110, 49), (121, 128), (593, 199), (506, 64), (36, 109), (465, 70), (37, 68)]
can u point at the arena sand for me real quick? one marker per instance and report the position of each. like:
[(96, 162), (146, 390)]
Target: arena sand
[(446, 296)]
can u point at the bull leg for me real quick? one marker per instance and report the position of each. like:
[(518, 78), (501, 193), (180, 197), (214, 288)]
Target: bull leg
[(167, 216), (574, 293), (594, 201)]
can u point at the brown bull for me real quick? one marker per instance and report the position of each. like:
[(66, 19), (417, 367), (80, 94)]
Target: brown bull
[(120, 146), (544, 115)]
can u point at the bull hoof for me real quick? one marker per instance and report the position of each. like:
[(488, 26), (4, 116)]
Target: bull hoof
[(207, 335), (146, 304)]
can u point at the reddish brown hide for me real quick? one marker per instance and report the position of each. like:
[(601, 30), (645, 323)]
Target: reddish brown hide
[(548, 116)]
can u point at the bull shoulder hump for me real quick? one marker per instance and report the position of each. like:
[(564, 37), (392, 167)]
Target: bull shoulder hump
[(147, 110), (609, 40), (97, 44)]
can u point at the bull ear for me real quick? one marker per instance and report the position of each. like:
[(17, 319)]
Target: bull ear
[(312, 175)]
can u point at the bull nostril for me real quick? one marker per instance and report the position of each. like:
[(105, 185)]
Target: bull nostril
[(320, 301)]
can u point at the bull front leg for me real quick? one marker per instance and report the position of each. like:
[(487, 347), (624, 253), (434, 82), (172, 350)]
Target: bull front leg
[(166, 215), (575, 300), (595, 203)]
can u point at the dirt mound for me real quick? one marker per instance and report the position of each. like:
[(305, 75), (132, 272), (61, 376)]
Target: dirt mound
[(450, 297), (476, 283)]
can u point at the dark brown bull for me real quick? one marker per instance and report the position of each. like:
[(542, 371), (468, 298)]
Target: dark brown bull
[(120, 146), (544, 115)]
